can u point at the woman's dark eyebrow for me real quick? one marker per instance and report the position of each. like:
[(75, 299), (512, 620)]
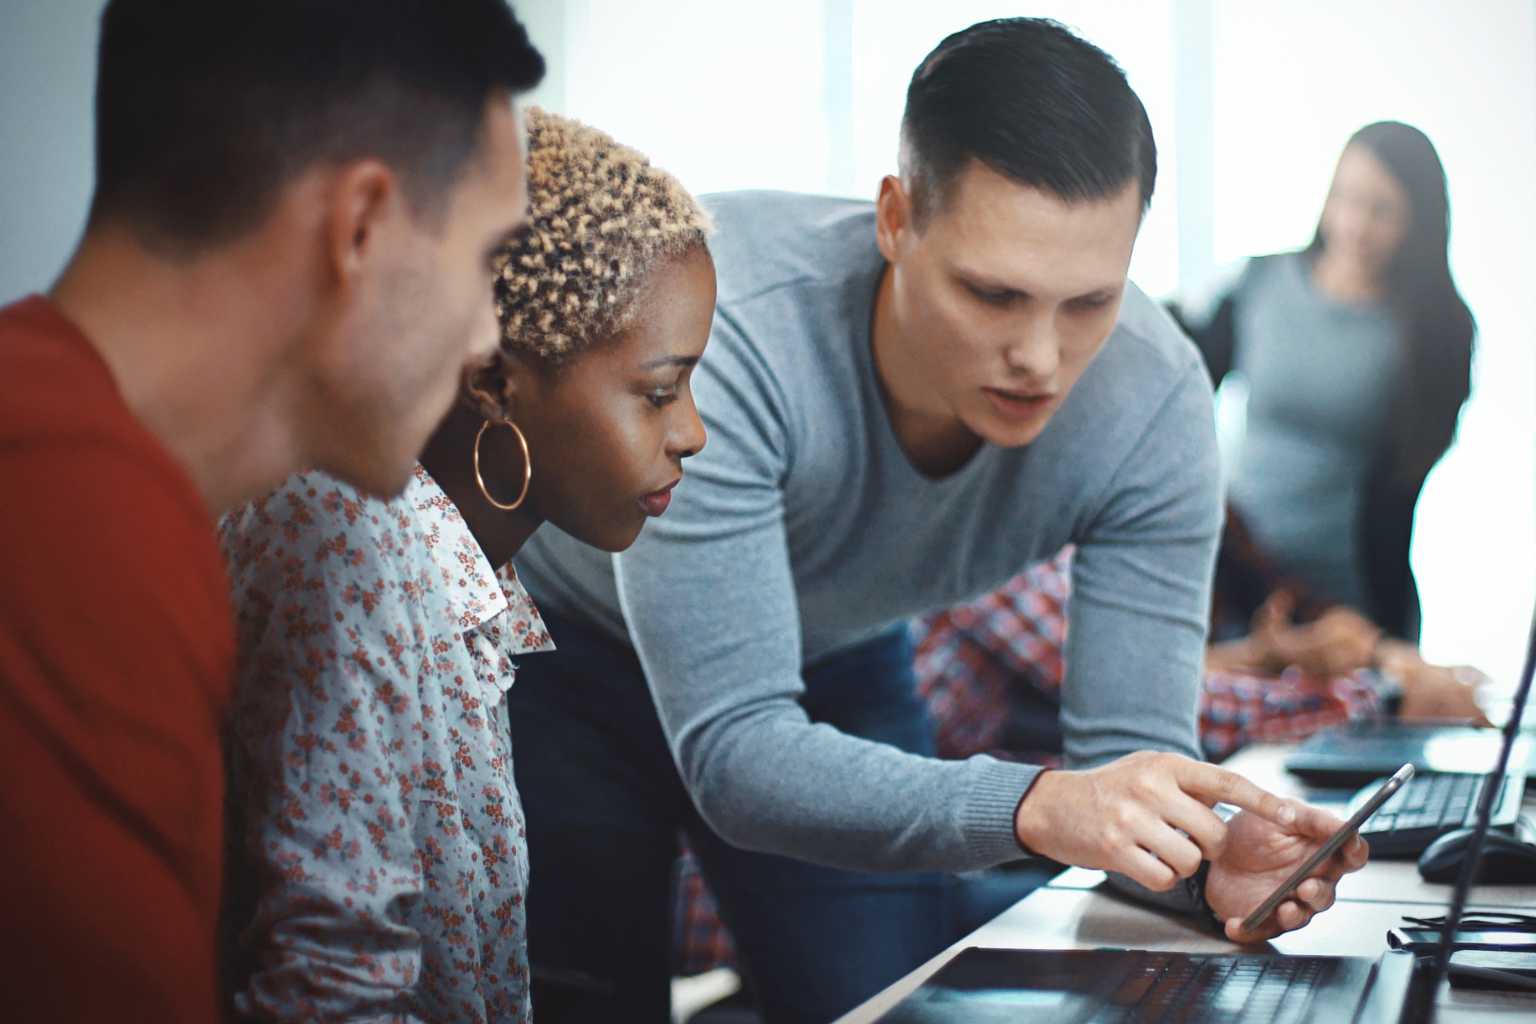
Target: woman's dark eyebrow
[(683, 361)]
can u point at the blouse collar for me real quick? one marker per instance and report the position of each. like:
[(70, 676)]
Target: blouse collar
[(475, 591)]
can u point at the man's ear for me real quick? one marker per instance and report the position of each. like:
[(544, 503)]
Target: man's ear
[(361, 201), (893, 217)]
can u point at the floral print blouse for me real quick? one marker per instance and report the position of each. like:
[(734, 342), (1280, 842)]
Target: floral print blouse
[(378, 868)]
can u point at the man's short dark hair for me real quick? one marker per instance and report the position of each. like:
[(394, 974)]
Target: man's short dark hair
[(206, 110), (1034, 103)]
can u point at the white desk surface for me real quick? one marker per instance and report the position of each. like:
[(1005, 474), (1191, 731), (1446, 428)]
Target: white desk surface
[(1073, 912)]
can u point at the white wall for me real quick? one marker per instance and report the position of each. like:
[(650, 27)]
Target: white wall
[(724, 95), (47, 78), (1291, 83), (807, 94)]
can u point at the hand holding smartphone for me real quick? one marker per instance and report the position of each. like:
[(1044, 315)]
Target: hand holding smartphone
[(1338, 839)]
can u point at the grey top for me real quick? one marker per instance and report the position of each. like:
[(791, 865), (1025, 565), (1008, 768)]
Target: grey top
[(1320, 375), (802, 528)]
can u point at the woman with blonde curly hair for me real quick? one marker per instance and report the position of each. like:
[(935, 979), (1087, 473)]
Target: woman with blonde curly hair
[(380, 868)]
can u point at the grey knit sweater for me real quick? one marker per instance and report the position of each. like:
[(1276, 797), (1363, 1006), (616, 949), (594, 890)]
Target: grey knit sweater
[(802, 529)]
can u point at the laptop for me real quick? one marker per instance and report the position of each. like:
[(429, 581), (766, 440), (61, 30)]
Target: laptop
[(1358, 753), (981, 986)]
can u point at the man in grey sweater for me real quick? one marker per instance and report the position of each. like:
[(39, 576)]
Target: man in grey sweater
[(907, 403)]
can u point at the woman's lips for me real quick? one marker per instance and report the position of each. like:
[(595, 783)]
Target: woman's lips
[(1018, 405), (656, 502)]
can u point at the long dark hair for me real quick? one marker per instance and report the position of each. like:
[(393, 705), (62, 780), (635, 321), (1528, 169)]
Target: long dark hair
[(1434, 323)]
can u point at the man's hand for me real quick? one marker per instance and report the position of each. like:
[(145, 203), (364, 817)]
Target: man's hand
[(1261, 854), (1338, 642), (1147, 816)]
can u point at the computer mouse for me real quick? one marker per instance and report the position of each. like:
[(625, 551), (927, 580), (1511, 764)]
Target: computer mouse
[(1506, 858)]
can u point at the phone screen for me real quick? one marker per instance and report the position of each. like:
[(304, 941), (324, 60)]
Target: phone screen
[(1338, 839)]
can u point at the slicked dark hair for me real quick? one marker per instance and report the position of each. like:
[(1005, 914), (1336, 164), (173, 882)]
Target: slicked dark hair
[(1033, 102), (206, 110)]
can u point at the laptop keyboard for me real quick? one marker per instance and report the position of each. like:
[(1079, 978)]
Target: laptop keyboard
[(1180, 987), (1430, 805)]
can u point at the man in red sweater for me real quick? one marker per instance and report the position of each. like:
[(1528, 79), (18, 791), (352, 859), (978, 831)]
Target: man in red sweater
[(285, 266)]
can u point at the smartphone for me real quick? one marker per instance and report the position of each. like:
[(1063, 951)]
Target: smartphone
[(1338, 839)]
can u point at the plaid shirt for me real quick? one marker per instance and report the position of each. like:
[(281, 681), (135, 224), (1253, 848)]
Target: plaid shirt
[(974, 658), (701, 940)]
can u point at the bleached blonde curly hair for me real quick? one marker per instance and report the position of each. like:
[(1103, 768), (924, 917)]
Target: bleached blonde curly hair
[(601, 218)]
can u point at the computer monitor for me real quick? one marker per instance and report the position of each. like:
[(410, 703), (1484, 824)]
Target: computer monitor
[(1458, 906)]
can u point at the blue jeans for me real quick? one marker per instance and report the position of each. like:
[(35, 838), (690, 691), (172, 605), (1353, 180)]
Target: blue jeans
[(605, 804)]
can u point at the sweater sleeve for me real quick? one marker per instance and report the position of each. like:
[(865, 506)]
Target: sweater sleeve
[(709, 599), (1141, 597)]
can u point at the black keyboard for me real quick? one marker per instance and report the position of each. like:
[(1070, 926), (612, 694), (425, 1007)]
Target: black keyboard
[(1180, 987), (1430, 805)]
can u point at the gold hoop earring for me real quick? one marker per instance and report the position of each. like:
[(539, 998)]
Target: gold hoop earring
[(527, 465)]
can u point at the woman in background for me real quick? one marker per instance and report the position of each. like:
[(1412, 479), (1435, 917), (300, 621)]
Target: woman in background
[(1357, 355), (381, 870)]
